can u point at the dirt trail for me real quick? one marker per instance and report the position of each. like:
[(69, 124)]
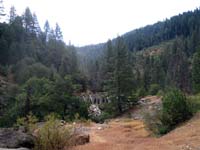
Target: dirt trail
[(130, 134)]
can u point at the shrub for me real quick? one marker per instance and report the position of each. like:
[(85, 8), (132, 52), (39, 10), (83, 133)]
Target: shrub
[(175, 109), (160, 93), (52, 136), (154, 88), (3, 70), (29, 122), (195, 103), (141, 92), (153, 121)]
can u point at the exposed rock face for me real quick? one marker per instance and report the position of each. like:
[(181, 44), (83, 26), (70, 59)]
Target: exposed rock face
[(94, 111), (11, 138), (94, 98), (147, 105)]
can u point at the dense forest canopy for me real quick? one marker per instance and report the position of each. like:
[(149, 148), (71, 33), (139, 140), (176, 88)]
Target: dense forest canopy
[(39, 70), (161, 53), (40, 74)]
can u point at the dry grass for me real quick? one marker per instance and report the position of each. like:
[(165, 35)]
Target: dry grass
[(133, 136)]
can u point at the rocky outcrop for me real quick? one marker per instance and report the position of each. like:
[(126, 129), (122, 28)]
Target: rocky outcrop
[(11, 138), (94, 98), (94, 110)]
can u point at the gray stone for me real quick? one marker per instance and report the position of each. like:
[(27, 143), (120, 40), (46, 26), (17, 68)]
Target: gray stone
[(94, 110), (11, 138), (14, 149)]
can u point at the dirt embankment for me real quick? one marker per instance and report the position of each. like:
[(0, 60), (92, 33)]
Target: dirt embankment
[(131, 134)]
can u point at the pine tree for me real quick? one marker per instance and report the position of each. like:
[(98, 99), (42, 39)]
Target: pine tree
[(36, 26), (147, 75), (2, 8), (28, 20), (121, 82), (47, 30), (58, 33), (196, 71), (108, 66), (178, 67), (13, 15)]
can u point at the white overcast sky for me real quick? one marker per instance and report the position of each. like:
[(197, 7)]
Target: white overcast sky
[(86, 22)]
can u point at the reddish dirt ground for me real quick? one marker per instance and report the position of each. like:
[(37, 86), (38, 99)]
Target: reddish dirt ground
[(130, 134)]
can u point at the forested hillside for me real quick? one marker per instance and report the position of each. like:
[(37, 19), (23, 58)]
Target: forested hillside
[(161, 54), (40, 74), (39, 70)]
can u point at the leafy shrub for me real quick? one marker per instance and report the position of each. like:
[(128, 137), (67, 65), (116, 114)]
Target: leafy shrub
[(29, 122), (141, 92), (154, 88), (160, 93), (3, 70), (195, 103), (52, 136), (175, 109), (101, 118), (153, 121)]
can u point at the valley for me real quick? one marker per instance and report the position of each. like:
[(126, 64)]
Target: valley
[(140, 90)]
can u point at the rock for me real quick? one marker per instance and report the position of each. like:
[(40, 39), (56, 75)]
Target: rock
[(11, 138), (62, 122), (99, 128), (137, 118), (94, 111), (14, 149), (79, 139)]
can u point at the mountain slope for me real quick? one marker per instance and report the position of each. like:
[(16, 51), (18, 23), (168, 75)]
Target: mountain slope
[(181, 25)]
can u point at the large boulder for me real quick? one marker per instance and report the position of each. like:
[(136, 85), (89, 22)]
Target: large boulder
[(94, 111), (79, 139), (14, 149), (11, 138)]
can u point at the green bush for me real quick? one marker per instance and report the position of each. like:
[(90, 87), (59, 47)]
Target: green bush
[(175, 109), (153, 121), (52, 136), (29, 122), (154, 88), (141, 92), (194, 103), (160, 93), (104, 116), (3, 70)]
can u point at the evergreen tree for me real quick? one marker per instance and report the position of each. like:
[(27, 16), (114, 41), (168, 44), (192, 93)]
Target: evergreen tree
[(122, 83), (13, 14), (108, 66), (147, 75), (58, 33), (196, 71), (36, 26), (28, 20), (46, 30), (178, 67), (2, 8)]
